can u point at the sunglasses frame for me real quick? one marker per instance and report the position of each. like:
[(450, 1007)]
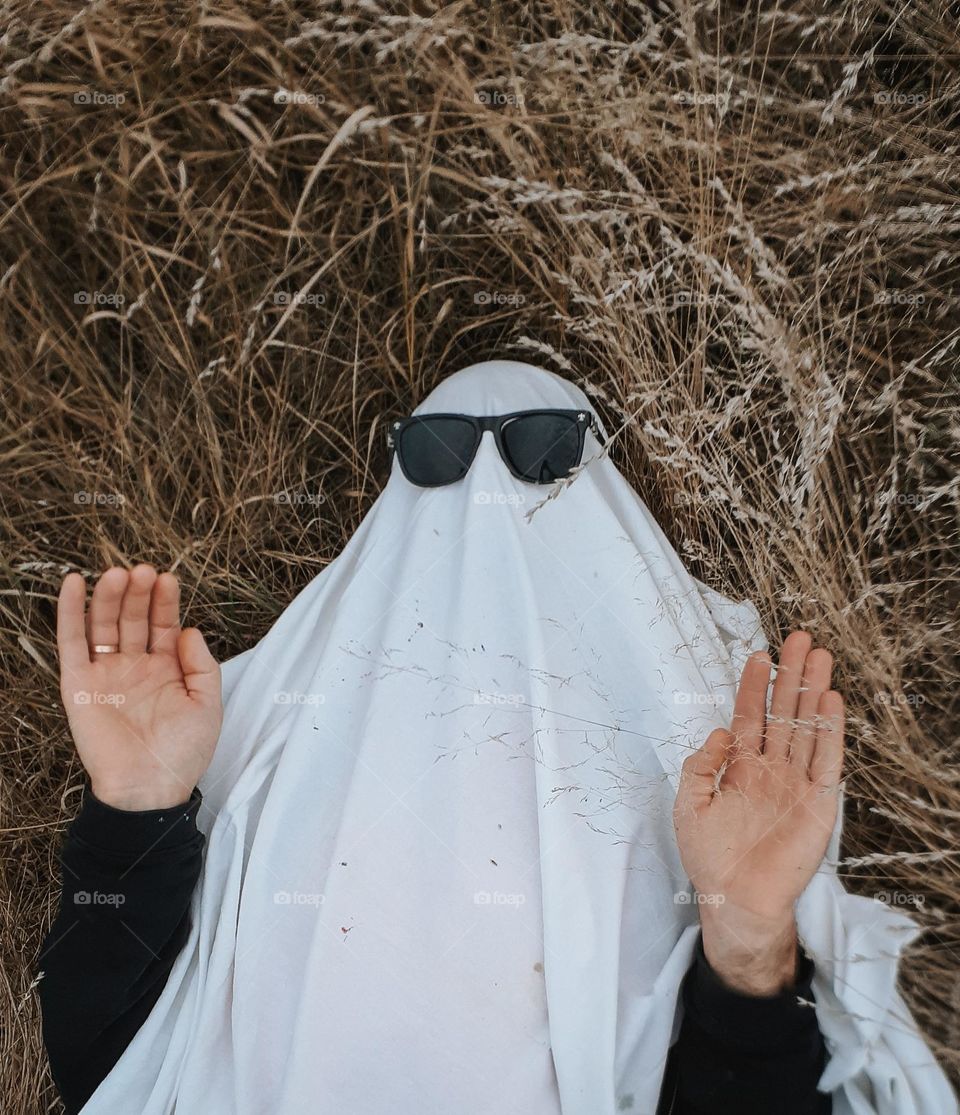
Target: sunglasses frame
[(583, 420)]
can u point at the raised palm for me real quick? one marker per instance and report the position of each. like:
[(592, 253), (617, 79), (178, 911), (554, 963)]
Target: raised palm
[(145, 719), (757, 804)]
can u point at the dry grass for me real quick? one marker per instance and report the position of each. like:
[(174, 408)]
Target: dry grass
[(739, 232)]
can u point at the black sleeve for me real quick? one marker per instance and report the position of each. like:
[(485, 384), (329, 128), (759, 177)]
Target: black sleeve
[(123, 918), (748, 1054)]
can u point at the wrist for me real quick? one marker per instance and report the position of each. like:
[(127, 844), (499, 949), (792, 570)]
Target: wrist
[(140, 798), (750, 953)]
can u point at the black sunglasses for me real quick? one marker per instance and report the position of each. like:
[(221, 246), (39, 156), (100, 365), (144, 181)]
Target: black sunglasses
[(537, 446)]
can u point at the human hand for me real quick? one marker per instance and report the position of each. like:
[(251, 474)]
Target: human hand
[(755, 811), (146, 718)]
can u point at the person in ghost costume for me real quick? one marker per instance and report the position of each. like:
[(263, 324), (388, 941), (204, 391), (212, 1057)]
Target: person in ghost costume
[(499, 816)]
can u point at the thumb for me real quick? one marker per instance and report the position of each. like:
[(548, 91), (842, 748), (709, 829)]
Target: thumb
[(201, 673), (698, 777)]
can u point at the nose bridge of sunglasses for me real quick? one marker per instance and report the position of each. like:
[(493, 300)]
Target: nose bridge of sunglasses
[(487, 452)]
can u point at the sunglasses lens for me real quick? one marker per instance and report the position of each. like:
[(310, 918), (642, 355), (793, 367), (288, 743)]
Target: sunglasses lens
[(542, 447), (436, 451)]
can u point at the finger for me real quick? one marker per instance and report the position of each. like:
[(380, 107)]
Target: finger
[(71, 632), (698, 776), (135, 610), (104, 614), (201, 673), (816, 681), (786, 694), (826, 765), (164, 615), (750, 707)]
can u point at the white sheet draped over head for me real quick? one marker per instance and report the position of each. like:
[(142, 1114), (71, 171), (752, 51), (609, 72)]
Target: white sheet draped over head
[(440, 857)]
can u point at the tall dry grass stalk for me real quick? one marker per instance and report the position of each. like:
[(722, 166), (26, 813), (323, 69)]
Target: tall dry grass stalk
[(235, 237)]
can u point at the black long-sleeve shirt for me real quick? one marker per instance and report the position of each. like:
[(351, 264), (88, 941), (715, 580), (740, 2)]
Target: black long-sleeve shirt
[(124, 916)]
